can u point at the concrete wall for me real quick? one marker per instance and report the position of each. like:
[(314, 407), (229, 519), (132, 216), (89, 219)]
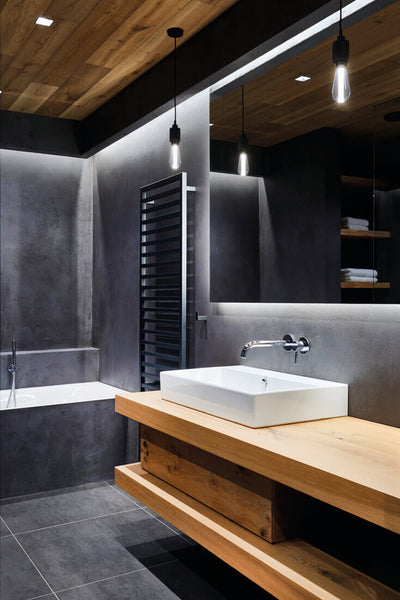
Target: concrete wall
[(46, 238), (50, 367), (121, 169), (234, 238)]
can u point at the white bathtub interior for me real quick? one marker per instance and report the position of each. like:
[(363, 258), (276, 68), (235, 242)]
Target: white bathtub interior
[(59, 394)]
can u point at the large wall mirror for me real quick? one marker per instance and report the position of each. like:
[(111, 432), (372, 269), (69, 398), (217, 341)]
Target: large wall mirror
[(285, 233)]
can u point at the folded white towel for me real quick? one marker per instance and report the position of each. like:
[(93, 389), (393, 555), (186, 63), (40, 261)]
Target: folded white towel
[(361, 279), (359, 272), (355, 221), (357, 227)]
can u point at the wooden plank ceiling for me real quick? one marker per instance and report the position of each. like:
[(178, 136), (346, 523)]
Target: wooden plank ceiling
[(94, 49), (278, 108)]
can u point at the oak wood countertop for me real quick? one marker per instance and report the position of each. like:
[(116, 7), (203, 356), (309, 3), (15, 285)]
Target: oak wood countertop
[(349, 463)]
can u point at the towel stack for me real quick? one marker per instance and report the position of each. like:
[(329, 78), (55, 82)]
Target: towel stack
[(363, 275), (353, 223)]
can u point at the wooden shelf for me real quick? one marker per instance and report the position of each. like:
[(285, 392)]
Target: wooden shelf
[(368, 182), (290, 570), (349, 463), (379, 285), (357, 234)]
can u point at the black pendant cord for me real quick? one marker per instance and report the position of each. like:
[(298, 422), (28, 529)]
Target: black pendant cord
[(175, 80), (242, 109), (340, 19)]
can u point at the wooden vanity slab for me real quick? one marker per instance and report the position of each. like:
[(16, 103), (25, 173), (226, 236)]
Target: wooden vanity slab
[(349, 463)]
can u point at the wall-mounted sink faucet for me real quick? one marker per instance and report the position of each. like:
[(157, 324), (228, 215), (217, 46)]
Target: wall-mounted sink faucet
[(288, 343), (12, 368)]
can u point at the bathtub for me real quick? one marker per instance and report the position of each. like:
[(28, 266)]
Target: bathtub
[(59, 394), (62, 435)]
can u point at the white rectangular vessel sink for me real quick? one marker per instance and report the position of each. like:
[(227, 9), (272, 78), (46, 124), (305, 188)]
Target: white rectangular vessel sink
[(255, 397)]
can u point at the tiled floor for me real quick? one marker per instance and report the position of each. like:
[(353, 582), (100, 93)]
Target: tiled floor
[(95, 542)]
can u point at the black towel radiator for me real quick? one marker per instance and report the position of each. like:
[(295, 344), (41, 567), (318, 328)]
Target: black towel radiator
[(163, 278)]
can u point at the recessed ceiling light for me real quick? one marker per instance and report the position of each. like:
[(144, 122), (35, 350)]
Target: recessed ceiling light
[(44, 21), (302, 78), (1, 91), (211, 124)]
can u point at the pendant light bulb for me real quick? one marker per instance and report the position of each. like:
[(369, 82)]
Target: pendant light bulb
[(341, 85), (340, 56), (175, 153), (243, 164), (175, 132)]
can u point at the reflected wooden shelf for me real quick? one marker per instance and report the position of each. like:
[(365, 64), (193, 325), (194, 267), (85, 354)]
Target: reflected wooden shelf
[(368, 284), (367, 182), (357, 234)]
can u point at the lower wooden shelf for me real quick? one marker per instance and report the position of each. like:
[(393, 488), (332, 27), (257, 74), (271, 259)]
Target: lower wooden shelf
[(366, 285), (290, 570)]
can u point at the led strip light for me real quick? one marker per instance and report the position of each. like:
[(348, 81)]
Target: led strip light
[(297, 39)]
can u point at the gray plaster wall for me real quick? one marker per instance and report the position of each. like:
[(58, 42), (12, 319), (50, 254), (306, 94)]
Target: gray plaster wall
[(50, 447), (234, 238), (46, 251), (51, 367), (121, 169)]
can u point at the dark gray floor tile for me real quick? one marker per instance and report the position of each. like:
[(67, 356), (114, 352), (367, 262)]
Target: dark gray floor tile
[(158, 551), (19, 579), (154, 514), (124, 493), (3, 529), (142, 585), (46, 597), (78, 553), (63, 506), (199, 575)]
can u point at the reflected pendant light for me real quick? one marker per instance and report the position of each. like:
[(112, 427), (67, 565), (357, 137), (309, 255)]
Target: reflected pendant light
[(243, 164), (340, 57), (175, 132)]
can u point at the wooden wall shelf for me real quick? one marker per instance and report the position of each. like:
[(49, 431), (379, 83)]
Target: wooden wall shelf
[(290, 570), (380, 285), (349, 463), (367, 182), (357, 234)]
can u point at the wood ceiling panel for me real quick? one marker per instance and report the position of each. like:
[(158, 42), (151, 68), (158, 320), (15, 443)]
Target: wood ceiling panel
[(71, 10), (33, 97), (93, 49), (279, 108), (192, 17), (17, 21), (73, 88)]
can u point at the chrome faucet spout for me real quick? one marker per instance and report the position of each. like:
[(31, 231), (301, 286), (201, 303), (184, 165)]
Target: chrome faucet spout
[(261, 344), (288, 343)]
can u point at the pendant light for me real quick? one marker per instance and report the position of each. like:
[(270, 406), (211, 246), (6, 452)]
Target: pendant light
[(175, 132), (243, 164), (340, 57)]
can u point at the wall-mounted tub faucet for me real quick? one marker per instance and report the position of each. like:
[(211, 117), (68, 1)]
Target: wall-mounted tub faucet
[(288, 343), (12, 368)]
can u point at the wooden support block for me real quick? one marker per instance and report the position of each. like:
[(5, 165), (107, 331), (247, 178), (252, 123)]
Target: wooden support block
[(255, 502)]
